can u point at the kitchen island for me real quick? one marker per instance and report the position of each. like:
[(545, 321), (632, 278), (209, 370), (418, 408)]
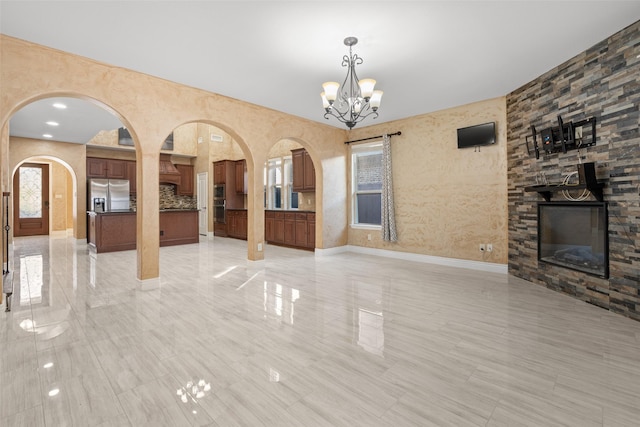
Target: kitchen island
[(116, 231)]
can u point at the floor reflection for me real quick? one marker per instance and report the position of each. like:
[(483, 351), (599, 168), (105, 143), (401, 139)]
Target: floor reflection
[(31, 280)]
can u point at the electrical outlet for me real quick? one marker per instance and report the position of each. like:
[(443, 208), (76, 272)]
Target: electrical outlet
[(489, 247), (482, 247), (259, 247), (369, 236)]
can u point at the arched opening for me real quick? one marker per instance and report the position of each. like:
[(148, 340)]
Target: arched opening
[(59, 129), (290, 196), (44, 198)]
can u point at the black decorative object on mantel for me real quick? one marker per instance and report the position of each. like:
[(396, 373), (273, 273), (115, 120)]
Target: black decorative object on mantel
[(563, 137)]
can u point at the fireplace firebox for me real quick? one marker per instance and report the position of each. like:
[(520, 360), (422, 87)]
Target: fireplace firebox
[(574, 235)]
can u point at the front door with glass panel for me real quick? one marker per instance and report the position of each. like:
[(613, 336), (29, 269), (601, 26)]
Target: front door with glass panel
[(31, 200)]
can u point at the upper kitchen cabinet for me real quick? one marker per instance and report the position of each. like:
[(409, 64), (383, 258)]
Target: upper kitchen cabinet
[(106, 168), (186, 186), (304, 173), (131, 176), (224, 172), (241, 176)]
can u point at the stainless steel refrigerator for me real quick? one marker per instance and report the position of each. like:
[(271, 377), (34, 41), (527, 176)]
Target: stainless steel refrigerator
[(108, 195)]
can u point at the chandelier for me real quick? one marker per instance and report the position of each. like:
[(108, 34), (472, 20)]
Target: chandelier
[(356, 99)]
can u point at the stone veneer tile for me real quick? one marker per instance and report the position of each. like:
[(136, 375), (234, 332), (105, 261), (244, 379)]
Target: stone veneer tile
[(601, 82)]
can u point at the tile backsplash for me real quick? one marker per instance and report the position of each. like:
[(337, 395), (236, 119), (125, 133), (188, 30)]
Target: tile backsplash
[(169, 199)]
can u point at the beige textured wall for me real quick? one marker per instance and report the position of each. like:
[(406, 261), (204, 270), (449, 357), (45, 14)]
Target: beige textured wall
[(448, 200), (59, 196), (184, 143), (30, 72), (69, 222)]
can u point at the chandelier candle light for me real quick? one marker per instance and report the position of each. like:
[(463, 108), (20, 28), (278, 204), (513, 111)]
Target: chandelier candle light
[(356, 100)]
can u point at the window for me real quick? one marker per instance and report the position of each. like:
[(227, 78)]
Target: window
[(366, 170), (279, 192), (292, 196)]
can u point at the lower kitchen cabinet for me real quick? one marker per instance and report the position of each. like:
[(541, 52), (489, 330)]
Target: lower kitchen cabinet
[(269, 226), (116, 231), (110, 232), (290, 228), (178, 227), (311, 230), (237, 223)]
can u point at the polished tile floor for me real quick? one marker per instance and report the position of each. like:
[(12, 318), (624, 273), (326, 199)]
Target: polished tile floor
[(295, 340)]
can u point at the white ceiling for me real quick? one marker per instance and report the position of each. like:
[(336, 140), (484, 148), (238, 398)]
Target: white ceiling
[(425, 55)]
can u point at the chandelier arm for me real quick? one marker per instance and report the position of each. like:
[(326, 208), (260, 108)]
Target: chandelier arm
[(342, 116)]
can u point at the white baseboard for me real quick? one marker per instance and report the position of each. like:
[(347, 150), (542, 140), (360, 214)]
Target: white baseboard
[(429, 259)]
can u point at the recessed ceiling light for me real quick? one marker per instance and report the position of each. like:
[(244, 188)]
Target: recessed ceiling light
[(54, 392), (47, 135), (52, 123), (60, 105), (48, 365)]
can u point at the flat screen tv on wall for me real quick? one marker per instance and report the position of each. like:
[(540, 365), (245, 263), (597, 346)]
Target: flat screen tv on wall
[(477, 135)]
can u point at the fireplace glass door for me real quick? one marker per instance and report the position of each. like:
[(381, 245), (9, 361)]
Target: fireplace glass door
[(574, 235)]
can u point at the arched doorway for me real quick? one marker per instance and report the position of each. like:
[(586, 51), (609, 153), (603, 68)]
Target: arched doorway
[(44, 197), (290, 196), (59, 130)]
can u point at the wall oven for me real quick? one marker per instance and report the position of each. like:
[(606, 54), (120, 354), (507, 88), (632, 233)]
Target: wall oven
[(219, 210), (218, 191)]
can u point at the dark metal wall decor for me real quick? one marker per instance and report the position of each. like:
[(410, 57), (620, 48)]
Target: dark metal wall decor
[(562, 138)]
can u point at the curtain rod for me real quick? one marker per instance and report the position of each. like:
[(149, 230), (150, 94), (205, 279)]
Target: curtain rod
[(373, 137)]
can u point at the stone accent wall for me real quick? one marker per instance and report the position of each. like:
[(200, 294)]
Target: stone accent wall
[(602, 82)]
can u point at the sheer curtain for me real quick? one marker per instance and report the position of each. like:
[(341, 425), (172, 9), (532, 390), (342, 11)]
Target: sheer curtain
[(389, 232)]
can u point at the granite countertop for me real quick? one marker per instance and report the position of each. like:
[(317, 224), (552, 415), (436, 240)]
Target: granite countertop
[(289, 210), (130, 211)]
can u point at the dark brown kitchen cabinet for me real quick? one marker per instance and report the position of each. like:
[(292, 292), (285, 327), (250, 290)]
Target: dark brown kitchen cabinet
[(290, 228), (311, 230), (131, 176), (96, 168), (304, 174), (219, 172), (224, 172), (179, 227), (116, 169), (224, 175), (237, 223), (269, 226), (301, 230), (241, 176), (186, 186), (279, 228), (106, 168), (116, 231)]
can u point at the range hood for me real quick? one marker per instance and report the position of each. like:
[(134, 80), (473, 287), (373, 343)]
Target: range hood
[(169, 174)]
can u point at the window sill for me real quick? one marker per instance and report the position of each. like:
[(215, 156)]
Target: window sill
[(366, 227)]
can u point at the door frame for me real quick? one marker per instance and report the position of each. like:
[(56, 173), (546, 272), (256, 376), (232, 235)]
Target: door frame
[(203, 202)]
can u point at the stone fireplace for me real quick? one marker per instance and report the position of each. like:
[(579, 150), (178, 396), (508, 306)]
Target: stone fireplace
[(602, 83)]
